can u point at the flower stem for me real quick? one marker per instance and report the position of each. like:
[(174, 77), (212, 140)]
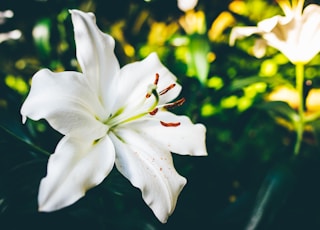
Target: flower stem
[(300, 122)]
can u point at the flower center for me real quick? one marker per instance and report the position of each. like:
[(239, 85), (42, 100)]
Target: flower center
[(149, 105)]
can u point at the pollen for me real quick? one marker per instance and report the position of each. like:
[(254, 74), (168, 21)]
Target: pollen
[(170, 124), (156, 80), (175, 104), (167, 89), (153, 112)]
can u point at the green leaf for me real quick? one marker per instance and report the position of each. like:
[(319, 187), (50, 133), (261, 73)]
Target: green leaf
[(241, 83), (19, 186), (271, 196), (22, 141), (41, 36), (316, 130), (280, 109), (199, 48)]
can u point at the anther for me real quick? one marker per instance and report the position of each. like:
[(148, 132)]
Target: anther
[(156, 80), (153, 112), (170, 124), (175, 104), (167, 89)]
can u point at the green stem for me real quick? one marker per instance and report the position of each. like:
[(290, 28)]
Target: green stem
[(300, 122)]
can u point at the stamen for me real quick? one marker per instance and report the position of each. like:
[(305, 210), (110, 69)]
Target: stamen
[(170, 124), (167, 89), (153, 112), (175, 104), (156, 80)]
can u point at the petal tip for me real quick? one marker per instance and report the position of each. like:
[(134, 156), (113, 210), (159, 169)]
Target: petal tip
[(41, 209), (24, 119)]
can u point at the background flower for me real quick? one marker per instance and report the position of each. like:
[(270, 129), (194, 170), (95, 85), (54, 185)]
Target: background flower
[(295, 34)]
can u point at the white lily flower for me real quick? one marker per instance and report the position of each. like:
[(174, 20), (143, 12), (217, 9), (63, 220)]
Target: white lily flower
[(296, 34), (111, 115)]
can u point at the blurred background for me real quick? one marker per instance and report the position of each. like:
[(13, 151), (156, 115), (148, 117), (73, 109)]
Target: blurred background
[(249, 180)]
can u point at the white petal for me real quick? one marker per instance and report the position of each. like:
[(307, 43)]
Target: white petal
[(241, 32), (310, 33), (136, 77), (95, 53), (149, 167), (76, 166), (66, 101), (259, 48), (185, 139), (268, 25)]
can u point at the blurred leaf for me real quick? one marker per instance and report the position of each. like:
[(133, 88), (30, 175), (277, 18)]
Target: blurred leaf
[(280, 109), (215, 82), (241, 83), (17, 84), (269, 68), (199, 49), (21, 140), (19, 186), (271, 196), (316, 130), (41, 36)]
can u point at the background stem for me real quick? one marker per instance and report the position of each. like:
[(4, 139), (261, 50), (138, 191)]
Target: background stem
[(300, 123)]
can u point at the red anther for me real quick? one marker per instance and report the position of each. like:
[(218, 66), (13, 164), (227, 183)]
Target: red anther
[(156, 80), (148, 95), (167, 89), (153, 112), (175, 104), (170, 124)]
